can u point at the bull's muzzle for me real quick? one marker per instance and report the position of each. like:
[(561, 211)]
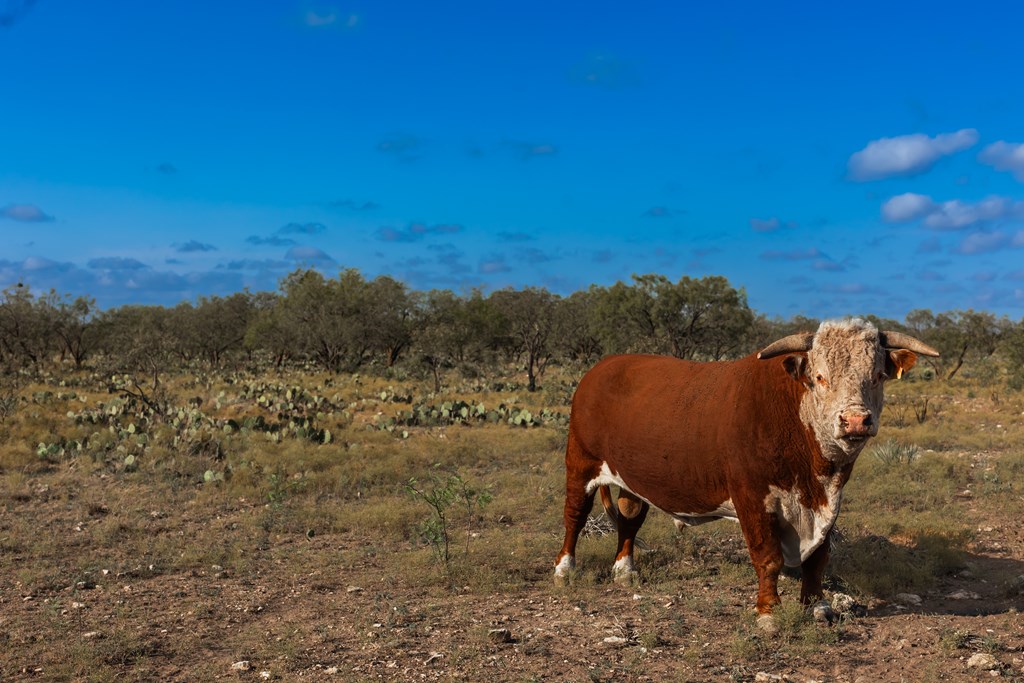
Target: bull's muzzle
[(857, 425)]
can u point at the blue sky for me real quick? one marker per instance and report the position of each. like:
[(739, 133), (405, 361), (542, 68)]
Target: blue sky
[(830, 160)]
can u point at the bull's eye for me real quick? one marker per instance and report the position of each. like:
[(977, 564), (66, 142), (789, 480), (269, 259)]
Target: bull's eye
[(821, 380)]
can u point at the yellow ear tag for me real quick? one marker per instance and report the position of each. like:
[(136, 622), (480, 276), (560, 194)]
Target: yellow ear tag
[(899, 373)]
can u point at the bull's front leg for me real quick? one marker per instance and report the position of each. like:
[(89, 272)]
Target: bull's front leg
[(812, 569), (761, 532)]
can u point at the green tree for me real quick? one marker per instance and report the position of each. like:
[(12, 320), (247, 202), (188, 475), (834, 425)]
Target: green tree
[(702, 318), (386, 316), (694, 318), (220, 324), (315, 310), (140, 342), (27, 326), (959, 336), (530, 322), (439, 338), (74, 326), (1012, 349), (267, 329), (577, 340), (622, 320)]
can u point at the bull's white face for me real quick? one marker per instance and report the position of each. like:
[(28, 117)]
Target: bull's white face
[(845, 372)]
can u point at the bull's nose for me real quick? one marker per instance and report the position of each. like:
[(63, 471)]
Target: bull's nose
[(856, 424)]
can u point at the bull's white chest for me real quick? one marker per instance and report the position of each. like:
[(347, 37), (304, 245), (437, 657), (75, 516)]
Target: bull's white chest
[(803, 529)]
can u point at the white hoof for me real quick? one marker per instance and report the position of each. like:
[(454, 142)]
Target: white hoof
[(564, 569), (623, 572), (766, 623)]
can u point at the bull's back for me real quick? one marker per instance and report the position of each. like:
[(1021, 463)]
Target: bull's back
[(669, 429)]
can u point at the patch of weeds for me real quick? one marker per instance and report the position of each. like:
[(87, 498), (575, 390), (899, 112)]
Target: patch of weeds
[(280, 488), (797, 626), (745, 645), (892, 452), (738, 672), (649, 639), (8, 403), (797, 634), (988, 643), (123, 649), (999, 476), (678, 626), (446, 499), (951, 640)]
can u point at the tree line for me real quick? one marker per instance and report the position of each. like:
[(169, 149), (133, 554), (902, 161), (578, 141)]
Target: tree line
[(349, 323)]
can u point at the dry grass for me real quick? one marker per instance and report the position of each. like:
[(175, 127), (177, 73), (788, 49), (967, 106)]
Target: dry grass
[(297, 521)]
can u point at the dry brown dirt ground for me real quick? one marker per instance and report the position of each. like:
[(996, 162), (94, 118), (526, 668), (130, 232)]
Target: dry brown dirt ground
[(334, 607)]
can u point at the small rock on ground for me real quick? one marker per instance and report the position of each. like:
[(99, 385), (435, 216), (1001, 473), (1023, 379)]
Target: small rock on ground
[(983, 661), (499, 635), (963, 595), (823, 613), (243, 665), (847, 604), (908, 598)]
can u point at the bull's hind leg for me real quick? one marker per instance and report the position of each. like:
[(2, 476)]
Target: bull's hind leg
[(631, 515), (580, 470)]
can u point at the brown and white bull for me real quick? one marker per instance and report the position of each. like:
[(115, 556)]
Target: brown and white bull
[(768, 440)]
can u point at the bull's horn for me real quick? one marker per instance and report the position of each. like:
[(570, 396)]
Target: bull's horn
[(898, 340), (791, 344)]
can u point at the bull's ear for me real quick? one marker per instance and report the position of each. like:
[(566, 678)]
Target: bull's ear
[(796, 366), (899, 361)]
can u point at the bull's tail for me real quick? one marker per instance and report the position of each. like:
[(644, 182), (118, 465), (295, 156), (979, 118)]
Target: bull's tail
[(610, 507)]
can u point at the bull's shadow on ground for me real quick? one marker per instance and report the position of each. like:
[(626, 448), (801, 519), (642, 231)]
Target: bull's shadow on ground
[(948, 580)]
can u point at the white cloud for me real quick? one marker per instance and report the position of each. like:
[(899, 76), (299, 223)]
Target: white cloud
[(1005, 156), (907, 207), (314, 18), (604, 70), (25, 213), (954, 214), (42, 263), (761, 225), (792, 254), (906, 155), (983, 242), (318, 17)]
